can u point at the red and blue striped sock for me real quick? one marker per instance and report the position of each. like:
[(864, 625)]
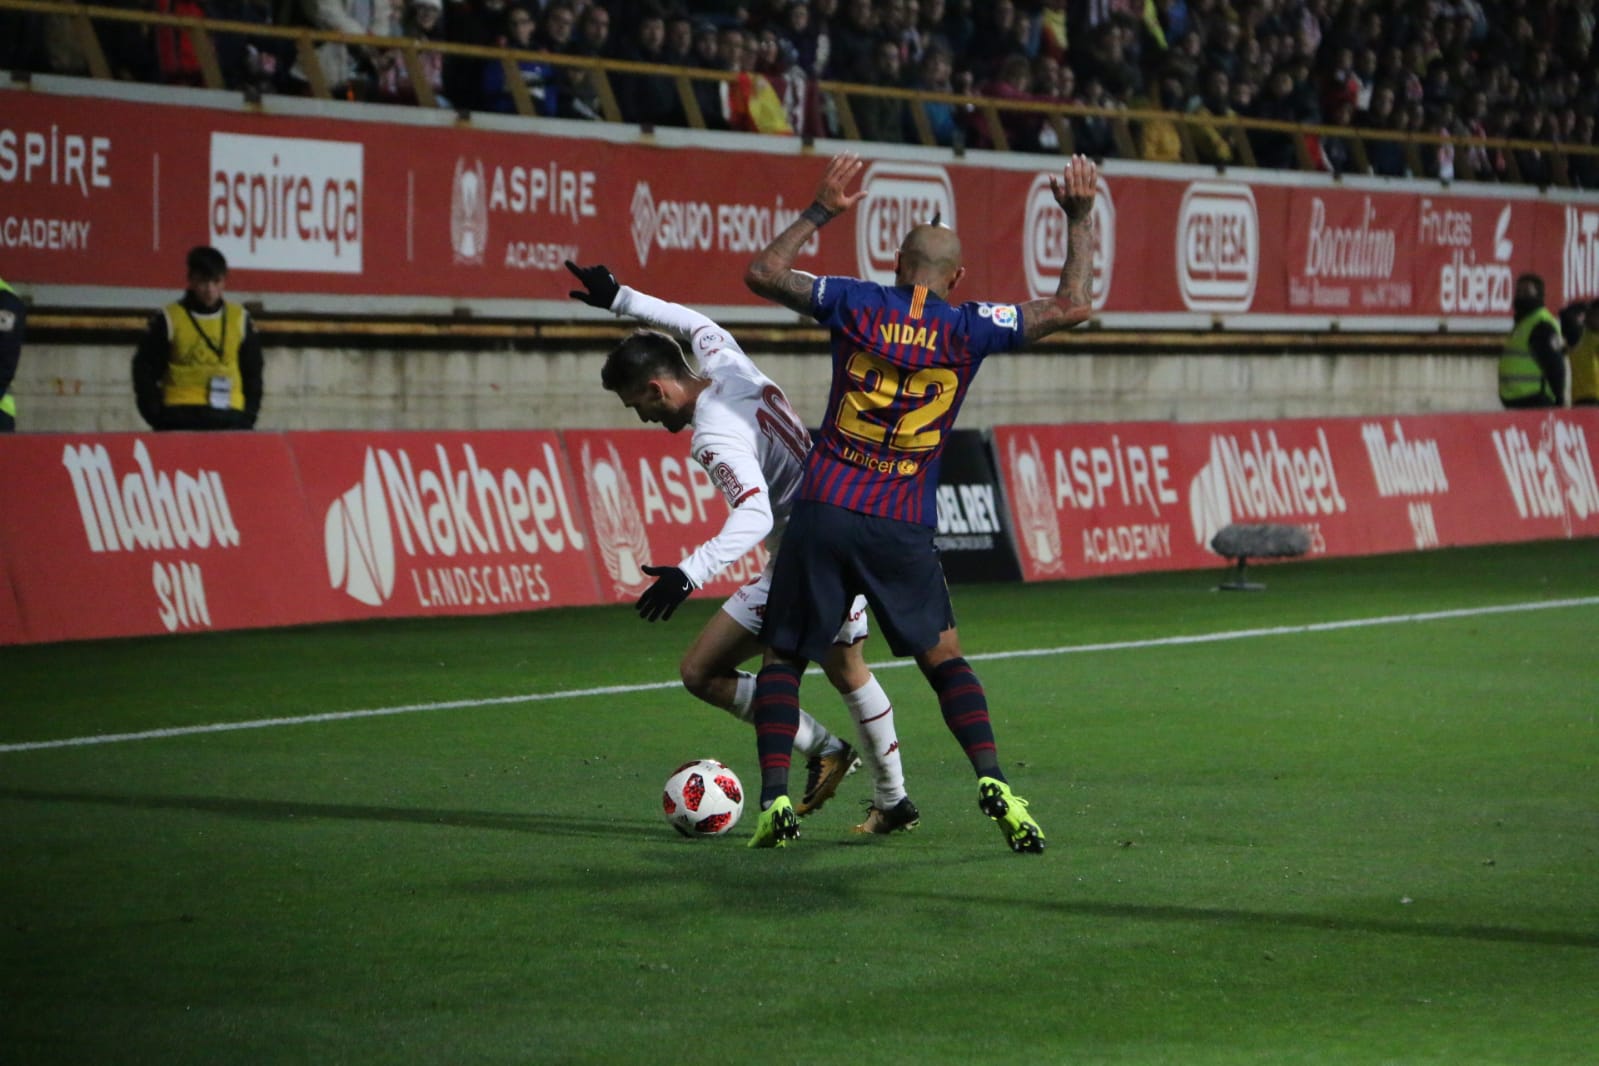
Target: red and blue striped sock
[(965, 707), (777, 713)]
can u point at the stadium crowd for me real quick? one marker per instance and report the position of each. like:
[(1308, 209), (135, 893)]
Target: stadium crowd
[(1515, 69)]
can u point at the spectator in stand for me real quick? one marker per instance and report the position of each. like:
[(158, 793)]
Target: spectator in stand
[(479, 22), (1120, 76), (345, 69), (895, 22), (1052, 30), (1064, 92), (198, 365), (1095, 137), (1274, 149), (1386, 157), (1585, 167), (883, 118), (1535, 165), (679, 38), (933, 76), (1579, 325), (958, 26), (853, 55), (1438, 160), (929, 29), (1365, 77), (248, 62), (1338, 153), (708, 93), (649, 100), (992, 40), (594, 32), (1185, 61), (555, 36), (796, 29), (754, 104), (541, 78), (1013, 85), (777, 62), (1222, 53), (1158, 139), (1212, 146), (423, 21)]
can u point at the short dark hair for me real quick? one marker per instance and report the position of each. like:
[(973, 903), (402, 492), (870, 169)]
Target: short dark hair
[(207, 262), (644, 356)]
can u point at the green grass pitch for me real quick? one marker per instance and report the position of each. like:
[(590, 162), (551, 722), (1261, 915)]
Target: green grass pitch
[(1314, 844)]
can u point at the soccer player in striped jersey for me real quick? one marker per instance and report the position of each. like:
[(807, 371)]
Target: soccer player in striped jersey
[(752, 445), (903, 357)]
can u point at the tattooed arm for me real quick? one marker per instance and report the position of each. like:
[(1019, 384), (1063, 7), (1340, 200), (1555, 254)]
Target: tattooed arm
[(771, 273), (1071, 305)]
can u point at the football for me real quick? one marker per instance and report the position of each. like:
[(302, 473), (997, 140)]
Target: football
[(703, 798)]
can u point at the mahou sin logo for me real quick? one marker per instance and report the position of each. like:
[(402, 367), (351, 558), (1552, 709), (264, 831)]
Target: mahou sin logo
[(179, 514), (472, 534)]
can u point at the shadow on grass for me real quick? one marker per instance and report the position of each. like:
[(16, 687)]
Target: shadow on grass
[(285, 811), (1144, 912)]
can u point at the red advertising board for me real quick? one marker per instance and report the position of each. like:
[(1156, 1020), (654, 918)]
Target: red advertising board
[(444, 523), (1113, 498), (317, 207), (121, 534), (649, 503)]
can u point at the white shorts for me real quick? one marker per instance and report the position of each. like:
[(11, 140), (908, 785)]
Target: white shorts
[(747, 606)]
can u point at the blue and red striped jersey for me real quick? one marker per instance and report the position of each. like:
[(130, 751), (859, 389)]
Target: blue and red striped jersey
[(902, 359)]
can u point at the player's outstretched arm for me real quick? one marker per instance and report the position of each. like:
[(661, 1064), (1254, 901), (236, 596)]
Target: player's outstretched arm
[(601, 289), (1071, 305), (771, 274)]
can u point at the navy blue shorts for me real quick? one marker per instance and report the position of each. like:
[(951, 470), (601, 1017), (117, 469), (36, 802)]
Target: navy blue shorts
[(831, 555)]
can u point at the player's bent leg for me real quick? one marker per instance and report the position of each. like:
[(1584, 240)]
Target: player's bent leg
[(709, 667), (873, 715)]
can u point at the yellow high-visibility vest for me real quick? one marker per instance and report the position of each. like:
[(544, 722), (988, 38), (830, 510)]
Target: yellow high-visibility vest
[(8, 402), (203, 348), (1520, 376), (1585, 368)]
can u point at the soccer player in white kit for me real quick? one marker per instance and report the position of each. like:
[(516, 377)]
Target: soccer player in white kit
[(752, 446)]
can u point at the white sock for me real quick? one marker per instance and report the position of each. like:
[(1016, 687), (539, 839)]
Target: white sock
[(811, 739), (744, 698), (874, 722)]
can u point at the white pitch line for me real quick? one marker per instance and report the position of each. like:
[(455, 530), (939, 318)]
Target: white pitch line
[(613, 690)]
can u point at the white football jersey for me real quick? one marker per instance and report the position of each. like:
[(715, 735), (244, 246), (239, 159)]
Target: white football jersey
[(745, 436)]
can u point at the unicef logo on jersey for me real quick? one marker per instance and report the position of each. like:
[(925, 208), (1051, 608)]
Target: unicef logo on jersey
[(469, 213), (899, 196)]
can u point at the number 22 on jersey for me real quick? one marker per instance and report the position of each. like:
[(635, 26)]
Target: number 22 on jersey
[(919, 399)]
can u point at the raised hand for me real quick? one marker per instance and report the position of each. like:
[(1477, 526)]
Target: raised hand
[(671, 588), (841, 171), (1074, 191), (599, 283)]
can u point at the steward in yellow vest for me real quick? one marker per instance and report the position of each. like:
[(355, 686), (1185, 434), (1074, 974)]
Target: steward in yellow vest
[(1580, 324), (13, 324), (198, 365), (1532, 367)]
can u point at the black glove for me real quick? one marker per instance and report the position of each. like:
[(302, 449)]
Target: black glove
[(671, 588), (600, 283)]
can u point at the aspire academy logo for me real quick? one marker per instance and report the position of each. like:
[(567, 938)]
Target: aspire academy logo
[(469, 213), (617, 521)]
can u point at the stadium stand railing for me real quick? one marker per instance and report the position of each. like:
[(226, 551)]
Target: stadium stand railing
[(1126, 124)]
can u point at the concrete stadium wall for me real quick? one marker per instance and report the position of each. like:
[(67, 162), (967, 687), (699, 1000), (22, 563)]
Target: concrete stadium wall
[(83, 387)]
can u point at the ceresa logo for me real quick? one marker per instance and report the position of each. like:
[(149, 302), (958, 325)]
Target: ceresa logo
[(469, 213), (898, 196), (1218, 247), (1046, 241), (286, 203)]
